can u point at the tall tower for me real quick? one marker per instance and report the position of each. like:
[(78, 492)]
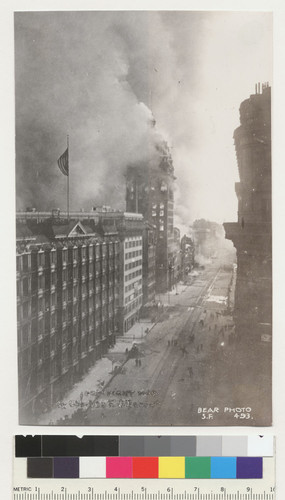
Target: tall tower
[(149, 191), (251, 235)]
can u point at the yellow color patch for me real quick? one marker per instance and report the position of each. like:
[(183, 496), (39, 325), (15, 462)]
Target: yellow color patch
[(171, 467)]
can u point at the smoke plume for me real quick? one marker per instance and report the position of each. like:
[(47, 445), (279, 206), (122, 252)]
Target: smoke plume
[(102, 77)]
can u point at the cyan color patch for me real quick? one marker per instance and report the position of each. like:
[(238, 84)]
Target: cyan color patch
[(223, 467)]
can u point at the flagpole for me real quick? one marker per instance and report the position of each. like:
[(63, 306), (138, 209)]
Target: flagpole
[(68, 177)]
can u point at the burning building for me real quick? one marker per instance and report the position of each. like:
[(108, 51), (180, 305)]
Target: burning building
[(149, 191)]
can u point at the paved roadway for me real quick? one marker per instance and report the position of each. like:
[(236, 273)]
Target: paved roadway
[(186, 364)]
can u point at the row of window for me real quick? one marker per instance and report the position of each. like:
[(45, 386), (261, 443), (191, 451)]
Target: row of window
[(133, 305), (155, 206), (133, 285), (37, 354), (29, 309), (24, 286), (31, 332), (133, 243), (131, 265), (161, 185), (42, 258), (133, 275), (154, 214), (90, 251), (133, 296), (136, 253)]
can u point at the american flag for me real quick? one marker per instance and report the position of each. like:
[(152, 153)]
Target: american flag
[(63, 162)]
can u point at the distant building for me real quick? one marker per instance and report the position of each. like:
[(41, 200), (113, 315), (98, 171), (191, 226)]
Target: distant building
[(149, 191), (176, 271), (207, 237), (67, 294), (187, 256), (251, 235)]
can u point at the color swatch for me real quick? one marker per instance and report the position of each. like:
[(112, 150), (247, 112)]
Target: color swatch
[(119, 467), (171, 467), (145, 467), (94, 467)]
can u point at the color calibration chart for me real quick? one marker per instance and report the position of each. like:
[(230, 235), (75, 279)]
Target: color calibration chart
[(144, 468)]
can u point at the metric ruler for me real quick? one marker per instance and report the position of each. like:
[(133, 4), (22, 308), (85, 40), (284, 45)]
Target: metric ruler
[(206, 492)]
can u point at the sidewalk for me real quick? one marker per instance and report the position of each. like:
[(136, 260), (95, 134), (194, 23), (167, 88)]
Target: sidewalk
[(98, 376)]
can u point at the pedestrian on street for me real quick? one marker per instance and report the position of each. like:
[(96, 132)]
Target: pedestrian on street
[(184, 351), (201, 347)]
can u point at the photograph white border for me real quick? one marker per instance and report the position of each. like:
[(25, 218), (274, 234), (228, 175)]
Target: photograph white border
[(8, 363)]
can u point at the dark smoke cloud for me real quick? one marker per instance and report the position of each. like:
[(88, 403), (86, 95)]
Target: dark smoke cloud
[(85, 74), (101, 77)]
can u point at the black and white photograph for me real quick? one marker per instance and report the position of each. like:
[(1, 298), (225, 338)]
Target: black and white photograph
[(143, 217)]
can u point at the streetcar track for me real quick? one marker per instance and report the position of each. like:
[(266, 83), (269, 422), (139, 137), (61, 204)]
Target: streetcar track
[(167, 380), (191, 321)]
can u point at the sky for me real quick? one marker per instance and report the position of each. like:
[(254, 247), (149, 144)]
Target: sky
[(102, 77)]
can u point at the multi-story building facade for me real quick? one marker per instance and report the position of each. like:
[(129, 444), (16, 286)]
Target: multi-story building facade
[(129, 228), (123, 227), (149, 245), (251, 235), (132, 293), (67, 294), (149, 191)]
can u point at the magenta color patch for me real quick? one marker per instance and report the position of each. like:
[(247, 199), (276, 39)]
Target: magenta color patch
[(119, 467)]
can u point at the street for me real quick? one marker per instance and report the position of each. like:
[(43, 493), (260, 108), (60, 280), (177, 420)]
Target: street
[(187, 368), (183, 374)]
